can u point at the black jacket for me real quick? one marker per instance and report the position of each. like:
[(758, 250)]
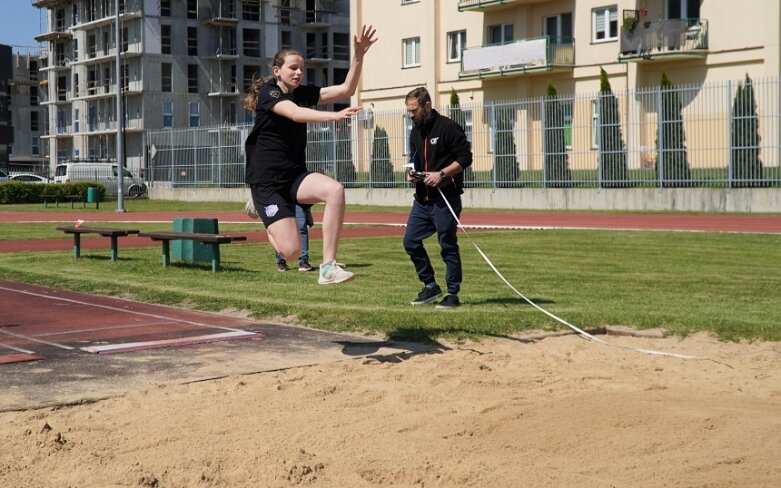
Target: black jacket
[(439, 142)]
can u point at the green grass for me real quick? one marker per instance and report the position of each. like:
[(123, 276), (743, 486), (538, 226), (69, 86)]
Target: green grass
[(684, 282)]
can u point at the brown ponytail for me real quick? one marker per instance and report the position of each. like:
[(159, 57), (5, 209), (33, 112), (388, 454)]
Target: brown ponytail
[(250, 101)]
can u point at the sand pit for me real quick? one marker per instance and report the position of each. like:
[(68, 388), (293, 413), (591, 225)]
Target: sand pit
[(560, 411)]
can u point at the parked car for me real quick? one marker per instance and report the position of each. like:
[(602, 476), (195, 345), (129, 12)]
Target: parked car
[(105, 173), (3, 175), (29, 178)]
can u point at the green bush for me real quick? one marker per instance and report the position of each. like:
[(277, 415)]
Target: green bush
[(18, 192)]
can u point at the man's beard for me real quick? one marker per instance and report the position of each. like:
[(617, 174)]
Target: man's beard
[(423, 120)]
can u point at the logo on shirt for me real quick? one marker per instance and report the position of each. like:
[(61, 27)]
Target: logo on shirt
[(270, 210), (433, 141), (275, 93)]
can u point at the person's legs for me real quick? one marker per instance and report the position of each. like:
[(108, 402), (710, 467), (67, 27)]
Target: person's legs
[(283, 235), (303, 230), (420, 225), (317, 188), (447, 234)]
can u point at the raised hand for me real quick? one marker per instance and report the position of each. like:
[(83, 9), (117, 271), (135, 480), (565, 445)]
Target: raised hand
[(362, 43)]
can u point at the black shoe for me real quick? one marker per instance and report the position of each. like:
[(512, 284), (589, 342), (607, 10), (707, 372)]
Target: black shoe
[(427, 295), (282, 266), (449, 302)]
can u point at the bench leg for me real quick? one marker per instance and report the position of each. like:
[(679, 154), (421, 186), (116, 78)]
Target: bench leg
[(166, 253), (76, 245), (215, 257), (114, 250)]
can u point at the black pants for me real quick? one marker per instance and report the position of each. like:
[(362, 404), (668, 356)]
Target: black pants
[(425, 219)]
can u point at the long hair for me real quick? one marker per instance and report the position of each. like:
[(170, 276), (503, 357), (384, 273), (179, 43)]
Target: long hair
[(250, 100)]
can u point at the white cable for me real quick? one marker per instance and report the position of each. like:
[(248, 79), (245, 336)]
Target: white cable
[(577, 330)]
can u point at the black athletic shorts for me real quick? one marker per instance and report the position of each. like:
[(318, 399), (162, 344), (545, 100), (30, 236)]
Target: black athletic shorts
[(277, 202)]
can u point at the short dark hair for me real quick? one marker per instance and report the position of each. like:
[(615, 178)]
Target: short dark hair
[(420, 94)]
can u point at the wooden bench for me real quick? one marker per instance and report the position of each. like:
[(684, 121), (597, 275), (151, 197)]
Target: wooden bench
[(71, 198), (213, 240), (114, 234)]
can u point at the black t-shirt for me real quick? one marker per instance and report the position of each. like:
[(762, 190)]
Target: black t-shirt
[(276, 147)]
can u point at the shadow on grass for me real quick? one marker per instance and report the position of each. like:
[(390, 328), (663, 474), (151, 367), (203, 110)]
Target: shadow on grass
[(511, 301)]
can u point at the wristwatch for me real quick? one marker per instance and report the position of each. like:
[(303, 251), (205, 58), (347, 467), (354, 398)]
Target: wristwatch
[(442, 175)]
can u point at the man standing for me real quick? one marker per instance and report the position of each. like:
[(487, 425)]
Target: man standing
[(440, 152)]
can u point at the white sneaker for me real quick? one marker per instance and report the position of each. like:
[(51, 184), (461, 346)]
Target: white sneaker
[(250, 209), (332, 273)]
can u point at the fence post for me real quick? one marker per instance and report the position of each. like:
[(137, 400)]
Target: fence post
[(545, 149), (660, 139), (494, 139), (730, 116)]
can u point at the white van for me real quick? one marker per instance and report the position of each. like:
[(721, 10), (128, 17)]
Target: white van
[(104, 173)]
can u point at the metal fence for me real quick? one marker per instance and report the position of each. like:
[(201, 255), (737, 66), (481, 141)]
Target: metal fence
[(715, 135)]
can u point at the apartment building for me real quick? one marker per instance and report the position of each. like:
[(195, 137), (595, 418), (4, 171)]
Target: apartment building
[(510, 49), (29, 152), (184, 63), (6, 125)]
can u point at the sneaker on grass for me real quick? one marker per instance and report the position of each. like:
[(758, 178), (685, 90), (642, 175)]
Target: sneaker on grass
[(449, 302), (305, 266), (282, 266), (427, 295), (331, 273)]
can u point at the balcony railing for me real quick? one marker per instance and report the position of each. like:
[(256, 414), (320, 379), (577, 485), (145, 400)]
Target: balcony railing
[(524, 56), (464, 5), (671, 37)]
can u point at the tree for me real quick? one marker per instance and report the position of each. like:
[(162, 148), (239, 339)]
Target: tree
[(505, 161), (612, 151), (671, 155), (557, 172), (381, 168), (459, 116), (744, 138), (345, 170)]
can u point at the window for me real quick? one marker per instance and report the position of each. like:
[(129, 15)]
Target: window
[(192, 9), (192, 78), (75, 49), (166, 79), (34, 96), (165, 39), (604, 24), (286, 40), (75, 84), (500, 34), (192, 41), (250, 10), (251, 42), (559, 28), (683, 9), (34, 122), (456, 43), (168, 114), (76, 121), (195, 114), (36, 146), (125, 39), (411, 54), (341, 46)]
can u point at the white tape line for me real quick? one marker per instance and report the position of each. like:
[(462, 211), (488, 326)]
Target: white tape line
[(109, 348), (554, 317)]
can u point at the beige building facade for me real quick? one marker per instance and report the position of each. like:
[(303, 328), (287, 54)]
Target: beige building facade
[(490, 50)]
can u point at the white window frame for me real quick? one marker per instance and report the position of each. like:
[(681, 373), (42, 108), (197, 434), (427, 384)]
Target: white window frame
[(456, 43), (505, 31), (410, 52), (168, 111), (606, 16), (195, 113)]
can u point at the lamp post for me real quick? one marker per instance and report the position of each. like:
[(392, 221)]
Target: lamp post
[(120, 115)]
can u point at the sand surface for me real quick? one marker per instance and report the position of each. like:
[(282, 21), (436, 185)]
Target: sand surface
[(557, 411)]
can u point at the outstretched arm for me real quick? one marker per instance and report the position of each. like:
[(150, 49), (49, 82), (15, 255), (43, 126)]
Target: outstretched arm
[(288, 109), (361, 45)]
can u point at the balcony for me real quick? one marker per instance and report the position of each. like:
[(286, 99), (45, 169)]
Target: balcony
[(49, 3), (60, 33), (527, 56), (223, 53), (671, 38), (466, 5)]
